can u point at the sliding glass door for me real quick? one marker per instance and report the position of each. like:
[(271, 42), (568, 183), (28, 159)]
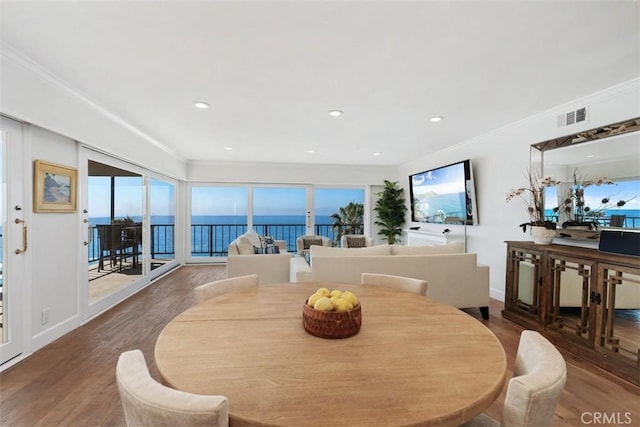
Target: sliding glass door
[(130, 229), (115, 218), (162, 220)]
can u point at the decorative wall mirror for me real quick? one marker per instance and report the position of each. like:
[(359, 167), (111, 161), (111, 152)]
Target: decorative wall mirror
[(578, 161)]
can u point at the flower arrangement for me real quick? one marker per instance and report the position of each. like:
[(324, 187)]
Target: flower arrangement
[(533, 197)]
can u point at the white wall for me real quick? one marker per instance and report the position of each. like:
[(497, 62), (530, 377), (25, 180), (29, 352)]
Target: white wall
[(54, 243), (260, 173), (500, 160), (32, 95)]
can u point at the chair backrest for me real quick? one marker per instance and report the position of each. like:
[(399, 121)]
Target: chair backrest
[(355, 241), (303, 243), (110, 236), (617, 220), (219, 287), (406, 284), (146, 402), (539, 376)]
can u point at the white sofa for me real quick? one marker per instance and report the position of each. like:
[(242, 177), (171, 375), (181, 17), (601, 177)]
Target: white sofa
[(270, 268), (453, 277)]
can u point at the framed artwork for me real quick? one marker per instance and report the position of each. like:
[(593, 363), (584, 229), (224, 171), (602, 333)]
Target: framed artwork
[(54, 187)]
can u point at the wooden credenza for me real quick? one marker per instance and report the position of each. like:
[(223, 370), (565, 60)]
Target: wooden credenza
[(583, 300)]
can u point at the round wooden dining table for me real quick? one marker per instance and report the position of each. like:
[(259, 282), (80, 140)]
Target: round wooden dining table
[(415, 361)]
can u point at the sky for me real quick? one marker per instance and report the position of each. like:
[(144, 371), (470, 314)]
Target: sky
[(622, 190)]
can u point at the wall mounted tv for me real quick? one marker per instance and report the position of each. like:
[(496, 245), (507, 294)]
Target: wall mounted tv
[(444, 195)]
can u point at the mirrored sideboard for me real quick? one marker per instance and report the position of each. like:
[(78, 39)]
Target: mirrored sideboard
[(582, 299)]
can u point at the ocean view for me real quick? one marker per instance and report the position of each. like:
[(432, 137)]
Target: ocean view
[(278, 226)]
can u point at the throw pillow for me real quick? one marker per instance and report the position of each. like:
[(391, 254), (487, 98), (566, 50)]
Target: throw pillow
[(244, 246), (267, 246), (307, 242), (356, 242), (253, 237)]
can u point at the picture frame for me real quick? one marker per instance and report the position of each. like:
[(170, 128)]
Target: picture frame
[(55, 187)]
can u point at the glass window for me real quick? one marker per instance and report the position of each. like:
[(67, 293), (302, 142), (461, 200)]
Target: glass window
[(218, 216)]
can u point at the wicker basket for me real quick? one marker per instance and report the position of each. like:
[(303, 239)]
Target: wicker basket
[(331, 324)]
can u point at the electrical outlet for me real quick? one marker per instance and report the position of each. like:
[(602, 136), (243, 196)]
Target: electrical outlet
[(45, 316)]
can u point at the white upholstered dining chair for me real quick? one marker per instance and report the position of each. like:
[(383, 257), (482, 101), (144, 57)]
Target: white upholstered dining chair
[(146, 402), (219, 287), (407, 284), (533, 392)]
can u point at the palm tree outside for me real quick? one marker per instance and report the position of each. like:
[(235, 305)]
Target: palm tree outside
[(348, 220)]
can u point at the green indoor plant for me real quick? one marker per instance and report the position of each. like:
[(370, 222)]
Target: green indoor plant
[(391, 209)]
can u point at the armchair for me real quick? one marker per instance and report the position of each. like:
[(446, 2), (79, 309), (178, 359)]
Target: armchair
[(355, 241), (303, 243)]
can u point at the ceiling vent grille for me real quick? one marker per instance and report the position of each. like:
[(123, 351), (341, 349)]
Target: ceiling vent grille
[(572, 117)]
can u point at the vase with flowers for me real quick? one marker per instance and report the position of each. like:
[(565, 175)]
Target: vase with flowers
[(542, 230)]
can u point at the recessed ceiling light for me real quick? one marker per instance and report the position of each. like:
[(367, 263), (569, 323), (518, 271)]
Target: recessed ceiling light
[(201, 104), (228, 148), (335, 113), (435, 119), (311, 151), (377, 153), (590, 155)]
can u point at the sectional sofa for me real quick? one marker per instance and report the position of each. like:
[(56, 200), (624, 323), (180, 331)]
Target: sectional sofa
[(453, 277)]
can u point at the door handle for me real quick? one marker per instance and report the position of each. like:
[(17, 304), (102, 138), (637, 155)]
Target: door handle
[(24, 236)]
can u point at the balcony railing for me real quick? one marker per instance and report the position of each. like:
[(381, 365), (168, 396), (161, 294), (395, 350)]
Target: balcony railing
[(213, 239)]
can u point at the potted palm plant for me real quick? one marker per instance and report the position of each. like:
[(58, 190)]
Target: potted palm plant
[(391, 209)]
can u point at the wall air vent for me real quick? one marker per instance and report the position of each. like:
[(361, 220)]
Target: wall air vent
[(572, 117)]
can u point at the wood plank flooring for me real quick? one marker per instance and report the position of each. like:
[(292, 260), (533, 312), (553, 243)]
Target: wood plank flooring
[(71, 382)]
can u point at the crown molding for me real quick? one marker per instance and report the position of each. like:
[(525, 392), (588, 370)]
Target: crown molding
[(10, 55)]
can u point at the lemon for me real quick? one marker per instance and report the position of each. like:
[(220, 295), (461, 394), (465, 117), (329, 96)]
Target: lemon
[(334, 299), (323, 304), (336, 293), (351, 297), (324, 292), (343, 305), (313, 298)]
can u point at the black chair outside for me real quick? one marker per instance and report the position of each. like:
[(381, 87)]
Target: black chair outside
[(117, 243), (617, 220)]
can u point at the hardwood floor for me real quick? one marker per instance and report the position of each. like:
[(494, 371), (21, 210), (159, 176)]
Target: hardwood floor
[(71, 382)]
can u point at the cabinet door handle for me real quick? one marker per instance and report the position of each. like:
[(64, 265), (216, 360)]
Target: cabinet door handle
[(24, 236)]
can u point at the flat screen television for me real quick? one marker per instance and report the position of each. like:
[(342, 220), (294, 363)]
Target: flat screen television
[(444, 195)]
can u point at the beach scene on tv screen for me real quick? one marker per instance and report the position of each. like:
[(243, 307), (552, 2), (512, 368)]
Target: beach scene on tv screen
[(439, 194)]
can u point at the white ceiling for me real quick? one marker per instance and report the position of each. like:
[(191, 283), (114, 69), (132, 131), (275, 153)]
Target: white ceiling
[(271, 70)]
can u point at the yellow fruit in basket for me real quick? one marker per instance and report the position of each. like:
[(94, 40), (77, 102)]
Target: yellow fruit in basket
[(313, 298), (323, 304), (334, 299), (343, 305), (324, 292), (351, 297), (336, 293)]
